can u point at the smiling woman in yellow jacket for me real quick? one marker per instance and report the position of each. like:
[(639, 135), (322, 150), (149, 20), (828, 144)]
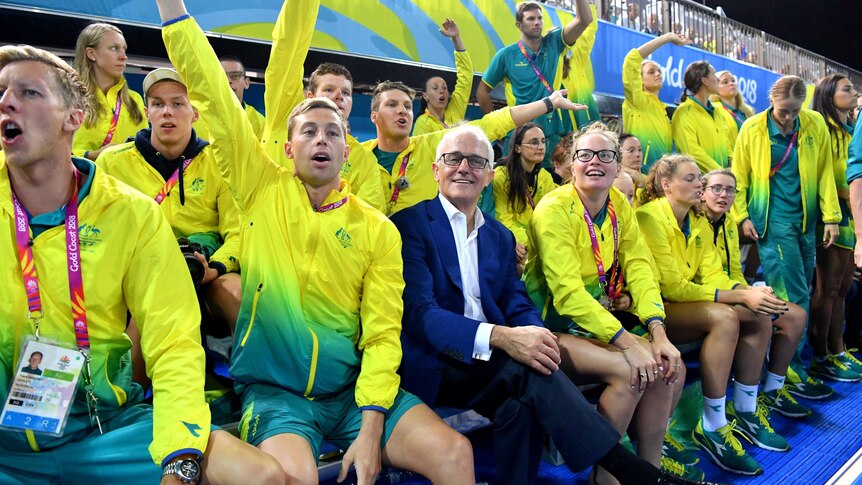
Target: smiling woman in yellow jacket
[(702, 303), (565, 282), (116, 112), (699, 127)]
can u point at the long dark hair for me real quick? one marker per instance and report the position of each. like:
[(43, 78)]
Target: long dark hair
[(519, 180), (693, 78), (824, 94)]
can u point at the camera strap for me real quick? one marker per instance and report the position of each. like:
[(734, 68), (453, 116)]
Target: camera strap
[(172, 182)]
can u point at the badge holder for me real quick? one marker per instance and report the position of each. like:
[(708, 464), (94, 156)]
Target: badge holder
[(44, 387)]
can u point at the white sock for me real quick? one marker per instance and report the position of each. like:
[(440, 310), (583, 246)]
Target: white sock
[(744, 397), (773, 382), (840, 355), (713, 413)]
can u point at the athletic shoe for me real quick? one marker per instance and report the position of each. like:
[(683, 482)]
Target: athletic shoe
[(755, 426), (675, 450), (834, 369), (780, 401), (800, 384), (851, 361), (678, 469), (725, 449)]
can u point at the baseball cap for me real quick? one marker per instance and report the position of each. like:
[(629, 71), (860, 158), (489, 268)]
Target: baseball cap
[(161, 74)]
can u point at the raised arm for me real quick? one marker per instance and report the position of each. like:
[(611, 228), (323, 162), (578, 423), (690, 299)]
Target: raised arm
[(464, 66), (669, 38), (483, 95), (583, 18)]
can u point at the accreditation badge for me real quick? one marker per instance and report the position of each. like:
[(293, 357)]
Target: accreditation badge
[(402, 183), (605, 302), (43, 389)]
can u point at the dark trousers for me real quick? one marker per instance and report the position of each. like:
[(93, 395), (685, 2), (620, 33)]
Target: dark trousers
[(524, 405)]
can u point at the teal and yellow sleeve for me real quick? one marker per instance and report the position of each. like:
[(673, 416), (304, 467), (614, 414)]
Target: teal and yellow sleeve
[(741, 169), (686, 127), (170, 339), (551, 235), (633, 90), (457, 108), (827, 193), (380, 317), (674, 286), (735, 261), (240, 157), (291, 39), (228, 221)]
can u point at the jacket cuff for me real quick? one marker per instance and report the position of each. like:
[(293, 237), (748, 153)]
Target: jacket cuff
[(374, 408), (619, 332), (178, 19), (184, 451), (219, 267)]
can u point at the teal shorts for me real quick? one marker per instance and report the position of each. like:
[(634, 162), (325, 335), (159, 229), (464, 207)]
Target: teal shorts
[(268, 411)]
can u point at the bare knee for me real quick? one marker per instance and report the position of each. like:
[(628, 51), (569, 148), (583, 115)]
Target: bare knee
[(723, 320), (269, 471), (792, 323)]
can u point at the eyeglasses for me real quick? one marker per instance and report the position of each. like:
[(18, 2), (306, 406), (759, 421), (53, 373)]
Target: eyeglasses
[(585, 155), (535, 143), (454, 159), (718, 189), (235, 75)]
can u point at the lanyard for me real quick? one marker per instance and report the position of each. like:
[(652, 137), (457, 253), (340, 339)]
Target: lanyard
[(114, 120), (786, 154), (76, 285), (172, 182), (396, 191), (441, 120), (535, 69), (732, 113), (530, 198), (613, 287), (331, 206)]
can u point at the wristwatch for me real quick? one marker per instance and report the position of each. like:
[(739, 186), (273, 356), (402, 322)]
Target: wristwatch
[(188, 471)]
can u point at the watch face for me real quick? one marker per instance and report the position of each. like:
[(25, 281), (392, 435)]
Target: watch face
[(189, 469)]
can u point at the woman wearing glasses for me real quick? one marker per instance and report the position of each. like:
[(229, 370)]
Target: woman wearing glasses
[(520, 183), (116, 112), (586, 248), (703, 302), (783, 168), (719, 190)]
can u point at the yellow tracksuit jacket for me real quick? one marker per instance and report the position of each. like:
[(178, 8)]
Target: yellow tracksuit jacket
[(561, 273), (726, 238), (457, 107), (700, 135), (517, 221), (644, 115), (322, 290), (130, 263), (90, 138), (209, 205), (688, 268)]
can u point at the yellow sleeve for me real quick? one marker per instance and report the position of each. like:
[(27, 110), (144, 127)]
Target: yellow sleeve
[(633, 88), (827, 193), (496, 124), (228, 221), (291, 39), (380, 317), (257, 120), (241, 159), (552, 235), (637, 266), (364, 176), (734, 262), (425, 124), (502, 211), (457, 107), (674, 287), (170, 338), (741, 168), (709, 271), (728, 126), (685, 129)]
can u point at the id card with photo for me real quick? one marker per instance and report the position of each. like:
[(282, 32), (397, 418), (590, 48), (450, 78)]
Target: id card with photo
[(43, 389)]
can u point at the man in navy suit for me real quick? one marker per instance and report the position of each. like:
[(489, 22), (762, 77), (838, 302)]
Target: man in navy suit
[(472, 338)]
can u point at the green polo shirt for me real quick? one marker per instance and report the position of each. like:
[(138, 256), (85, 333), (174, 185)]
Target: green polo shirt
[(385, 159), (709, 108), (785, 193), (43, 222)]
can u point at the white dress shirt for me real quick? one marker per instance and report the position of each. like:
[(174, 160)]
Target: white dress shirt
[(468, 261)]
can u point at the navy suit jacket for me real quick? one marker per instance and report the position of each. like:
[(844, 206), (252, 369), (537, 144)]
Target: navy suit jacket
[(435, 331)]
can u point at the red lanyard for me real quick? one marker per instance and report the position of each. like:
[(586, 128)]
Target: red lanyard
[(732, 113), (535, 69), (614, 286), (331, 206), (73, 260), (114, 121), (172, 182), (786, 154), (396, 192)]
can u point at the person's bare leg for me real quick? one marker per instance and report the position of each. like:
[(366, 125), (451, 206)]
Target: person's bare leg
[(836, 326), (295, 456), (139, 367), (785, 338), (755, 332), (421, 442), (229, 460), (223, 297), (718, 326), (649, 423)]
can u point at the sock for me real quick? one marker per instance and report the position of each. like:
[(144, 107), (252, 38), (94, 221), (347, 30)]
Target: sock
[(773, 382), (627, 467), (744, 397), (713, 413), (840, 355)]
